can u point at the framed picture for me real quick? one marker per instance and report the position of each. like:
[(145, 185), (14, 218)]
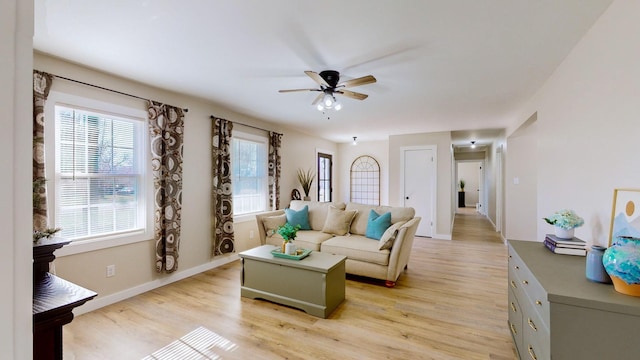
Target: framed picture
[(625, 215)]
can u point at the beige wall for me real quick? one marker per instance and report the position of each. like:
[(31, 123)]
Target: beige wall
[(379, 150), (589, 125), (522, 182), (444, 205), (16, 32), (135, 271)]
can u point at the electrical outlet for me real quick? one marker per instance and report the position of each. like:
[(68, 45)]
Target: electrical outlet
[(111, 270), (251, 234)]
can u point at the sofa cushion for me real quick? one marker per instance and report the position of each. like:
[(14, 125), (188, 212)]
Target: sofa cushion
[(359, 223), (272, 223), (389, 236), (377, 224), (338, 221), (317, 211), (300, 217), (356, 247), (305, 239)]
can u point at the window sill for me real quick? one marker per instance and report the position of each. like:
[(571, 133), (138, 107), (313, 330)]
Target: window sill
[(82, 246)]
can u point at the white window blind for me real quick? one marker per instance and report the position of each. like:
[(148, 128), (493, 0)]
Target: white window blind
[(98, 173), (249, 174)]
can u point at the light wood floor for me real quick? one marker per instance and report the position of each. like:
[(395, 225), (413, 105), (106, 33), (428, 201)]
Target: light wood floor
[(451, 303)]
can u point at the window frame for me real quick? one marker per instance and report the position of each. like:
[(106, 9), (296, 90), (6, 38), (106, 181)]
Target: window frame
[(264, 140), (145, 190)]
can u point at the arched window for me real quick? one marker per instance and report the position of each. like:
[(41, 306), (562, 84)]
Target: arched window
[(365, 181)]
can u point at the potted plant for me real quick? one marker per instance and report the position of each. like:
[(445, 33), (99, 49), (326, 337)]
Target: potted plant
[(564, 221), (306, 179), (461, 200), (288, 233)]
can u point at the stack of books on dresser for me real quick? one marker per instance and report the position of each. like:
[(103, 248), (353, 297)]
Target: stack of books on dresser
[(573, 246)]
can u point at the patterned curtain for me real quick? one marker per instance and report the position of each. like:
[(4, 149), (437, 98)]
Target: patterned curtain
[(166, 125), (275, 141), (223, 241), (41, 86)]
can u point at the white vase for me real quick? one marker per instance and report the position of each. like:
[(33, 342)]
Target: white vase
[(564, 233), (290, 248)]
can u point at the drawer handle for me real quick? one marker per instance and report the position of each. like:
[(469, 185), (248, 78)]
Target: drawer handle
[(513, 329), (532, 354), (538, 302), (532, 325), (525, 282), (513, 284), (513, 307)]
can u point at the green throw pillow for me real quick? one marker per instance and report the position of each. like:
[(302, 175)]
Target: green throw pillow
[(377, 224), (300, 217)]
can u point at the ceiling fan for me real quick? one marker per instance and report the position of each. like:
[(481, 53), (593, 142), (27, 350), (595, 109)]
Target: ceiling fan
[(329, 86)]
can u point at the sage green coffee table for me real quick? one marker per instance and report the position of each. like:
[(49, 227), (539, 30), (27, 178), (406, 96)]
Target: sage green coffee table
[(314, 284)]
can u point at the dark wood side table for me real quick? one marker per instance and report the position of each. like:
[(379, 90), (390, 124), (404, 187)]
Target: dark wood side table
[(53, 301)]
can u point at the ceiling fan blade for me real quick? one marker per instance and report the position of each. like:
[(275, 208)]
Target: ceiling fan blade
[(296, 90), (352, 94), (317, 99), (369, 79), (317, 78)]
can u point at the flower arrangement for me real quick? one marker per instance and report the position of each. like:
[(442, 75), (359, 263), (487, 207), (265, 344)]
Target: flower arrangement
[(288, 231), (566, 219)]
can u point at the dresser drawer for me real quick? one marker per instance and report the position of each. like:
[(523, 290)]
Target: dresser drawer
[(535, 337), (521, 278), (515, 319)]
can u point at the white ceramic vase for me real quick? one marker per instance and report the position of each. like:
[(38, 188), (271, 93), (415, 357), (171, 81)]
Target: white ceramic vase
[(564, 233), (290, 248)]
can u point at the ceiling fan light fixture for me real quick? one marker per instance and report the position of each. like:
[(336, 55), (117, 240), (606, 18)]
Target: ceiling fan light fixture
[(337, 106), (320, 107), (328, 100)]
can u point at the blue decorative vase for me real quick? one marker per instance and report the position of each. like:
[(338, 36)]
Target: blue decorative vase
[(595, 268), (622, 263)]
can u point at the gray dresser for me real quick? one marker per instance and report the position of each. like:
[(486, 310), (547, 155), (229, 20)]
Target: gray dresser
[(556, 313)]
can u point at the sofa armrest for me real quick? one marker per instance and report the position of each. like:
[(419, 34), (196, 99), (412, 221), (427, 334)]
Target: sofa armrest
[(401, 249), (259, 218)]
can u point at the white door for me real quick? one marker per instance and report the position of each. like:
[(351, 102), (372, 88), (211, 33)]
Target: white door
[(418, 185)]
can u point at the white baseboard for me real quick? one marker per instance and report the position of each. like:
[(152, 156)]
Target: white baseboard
[(137, 290), (442, 236)]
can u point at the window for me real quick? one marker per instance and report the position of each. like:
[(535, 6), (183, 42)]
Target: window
[(99, 173), (365, 181), (324, 177), (249, 177)]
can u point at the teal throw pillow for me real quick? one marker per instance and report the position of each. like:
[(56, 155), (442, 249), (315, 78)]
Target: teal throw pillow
[(300, 217), (377, 224)]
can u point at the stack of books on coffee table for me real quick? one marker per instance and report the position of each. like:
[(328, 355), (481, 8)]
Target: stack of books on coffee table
[(573, 246)]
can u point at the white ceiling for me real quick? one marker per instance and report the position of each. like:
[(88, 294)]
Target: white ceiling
[(441, 65)]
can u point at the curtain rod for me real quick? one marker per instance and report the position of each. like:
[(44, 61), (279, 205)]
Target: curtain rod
[(251, 126), (104, 88)]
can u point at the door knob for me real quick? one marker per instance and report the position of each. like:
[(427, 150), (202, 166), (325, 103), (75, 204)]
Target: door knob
[(407, 198)]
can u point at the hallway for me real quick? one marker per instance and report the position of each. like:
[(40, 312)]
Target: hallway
[(469, 225)]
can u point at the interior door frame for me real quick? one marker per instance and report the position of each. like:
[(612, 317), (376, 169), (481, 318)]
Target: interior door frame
[(434, 181), (481, 199), (332, 172)]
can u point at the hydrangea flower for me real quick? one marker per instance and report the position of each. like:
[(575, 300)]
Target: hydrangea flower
[(566, 219)]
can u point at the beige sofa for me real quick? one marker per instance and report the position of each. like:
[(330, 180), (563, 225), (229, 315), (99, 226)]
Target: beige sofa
[(383, 259)]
